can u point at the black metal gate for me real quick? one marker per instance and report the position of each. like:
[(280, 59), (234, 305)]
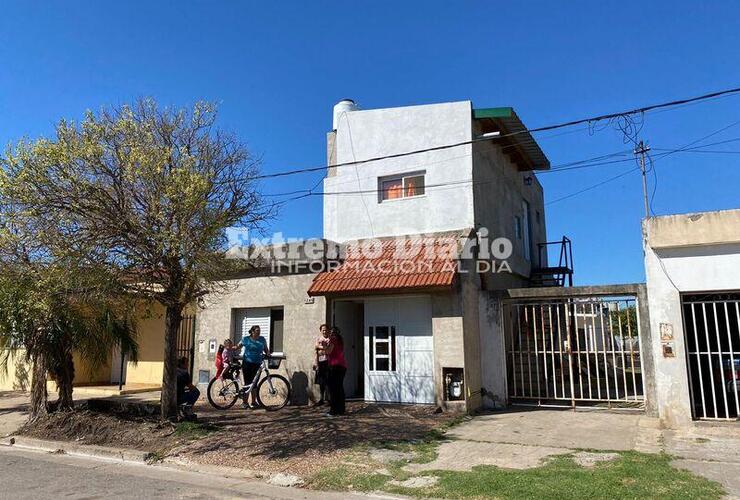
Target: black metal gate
[(185, 341), (712, 329), (583, 350)]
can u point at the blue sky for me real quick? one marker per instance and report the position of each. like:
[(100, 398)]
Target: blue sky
[(277, 68)]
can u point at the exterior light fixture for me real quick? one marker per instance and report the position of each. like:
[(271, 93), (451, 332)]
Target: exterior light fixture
[(488, 135)]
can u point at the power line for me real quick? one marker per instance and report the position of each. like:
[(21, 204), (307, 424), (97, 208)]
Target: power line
[(450, 184), (594, 186), (590, 121), (652, 165)]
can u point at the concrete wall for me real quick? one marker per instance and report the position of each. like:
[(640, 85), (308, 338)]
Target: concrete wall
[(448, 339), (705, 228), (498, 191), (300, 326), (685, 253), (492, 350), (379, 132)]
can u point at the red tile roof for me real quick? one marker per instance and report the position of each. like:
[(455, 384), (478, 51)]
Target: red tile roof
[(373, 266)]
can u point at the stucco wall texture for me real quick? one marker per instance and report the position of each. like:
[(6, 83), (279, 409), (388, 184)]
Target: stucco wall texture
[(300, 325), (685, 253)]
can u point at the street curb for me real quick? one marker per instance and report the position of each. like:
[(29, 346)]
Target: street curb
[(128, 455), (226, 471), (85, 450), (133, 456)]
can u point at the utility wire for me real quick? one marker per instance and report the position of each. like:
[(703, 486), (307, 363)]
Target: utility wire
[(652, 165), (455, 184), (590, 121), (594, 186)]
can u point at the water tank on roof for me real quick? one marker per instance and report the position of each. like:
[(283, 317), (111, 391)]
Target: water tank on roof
[(343, 106)]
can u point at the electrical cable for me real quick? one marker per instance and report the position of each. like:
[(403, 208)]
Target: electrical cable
[(589, 121)]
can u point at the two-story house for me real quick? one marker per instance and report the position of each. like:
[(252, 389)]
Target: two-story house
[(435, 208)]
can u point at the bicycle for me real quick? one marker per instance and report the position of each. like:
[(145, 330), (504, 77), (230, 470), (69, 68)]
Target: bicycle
[(273, 391)]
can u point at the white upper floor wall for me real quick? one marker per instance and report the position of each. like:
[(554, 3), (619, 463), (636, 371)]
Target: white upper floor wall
[(365, 134), (467, 186)]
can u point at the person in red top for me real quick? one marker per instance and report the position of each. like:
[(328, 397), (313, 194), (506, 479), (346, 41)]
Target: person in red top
[(337, 369)]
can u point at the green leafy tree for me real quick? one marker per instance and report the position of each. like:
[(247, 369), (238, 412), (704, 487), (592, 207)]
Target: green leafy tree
[(145, 194)]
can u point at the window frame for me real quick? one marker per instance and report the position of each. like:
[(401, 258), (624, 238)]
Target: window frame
[(389, 356), (403, 178)]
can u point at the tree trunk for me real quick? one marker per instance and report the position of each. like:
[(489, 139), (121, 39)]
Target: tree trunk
[(173, 317), (64, 380), (39, 396)]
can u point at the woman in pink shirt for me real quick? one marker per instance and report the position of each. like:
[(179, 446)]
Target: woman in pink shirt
[(337, 369)]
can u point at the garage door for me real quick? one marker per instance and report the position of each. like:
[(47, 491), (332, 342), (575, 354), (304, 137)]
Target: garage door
[(245, 318), (399, 356)]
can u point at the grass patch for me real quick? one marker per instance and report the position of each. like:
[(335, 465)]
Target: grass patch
[(350, 477), (194, 430), (345, 477), (633, 475)]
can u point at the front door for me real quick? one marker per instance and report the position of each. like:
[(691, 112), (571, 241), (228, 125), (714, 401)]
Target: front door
[(398, 350)]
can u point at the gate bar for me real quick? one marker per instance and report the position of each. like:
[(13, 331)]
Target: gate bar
[(721, 364), (709, 358)]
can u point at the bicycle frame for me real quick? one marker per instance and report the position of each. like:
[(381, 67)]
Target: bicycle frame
[(257, 376)]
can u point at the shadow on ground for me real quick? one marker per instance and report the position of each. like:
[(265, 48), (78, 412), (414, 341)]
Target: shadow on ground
[(304, 434)]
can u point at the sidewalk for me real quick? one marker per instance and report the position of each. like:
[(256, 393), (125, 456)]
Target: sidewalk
[(526, 439), (13, 411)]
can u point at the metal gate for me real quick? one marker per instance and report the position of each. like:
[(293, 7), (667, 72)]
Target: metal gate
[(185, 343), (583, 351), (712, 326)]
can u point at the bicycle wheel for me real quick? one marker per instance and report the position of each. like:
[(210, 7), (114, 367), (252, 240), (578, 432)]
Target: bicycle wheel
[(223, 393), (273, 392)]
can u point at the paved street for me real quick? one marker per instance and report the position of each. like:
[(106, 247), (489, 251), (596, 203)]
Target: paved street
[(28, 474)]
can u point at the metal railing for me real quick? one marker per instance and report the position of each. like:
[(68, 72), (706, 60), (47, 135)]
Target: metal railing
[(712, 330), (555, 275)]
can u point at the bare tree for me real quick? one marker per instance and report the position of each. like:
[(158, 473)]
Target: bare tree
[(147, 194)]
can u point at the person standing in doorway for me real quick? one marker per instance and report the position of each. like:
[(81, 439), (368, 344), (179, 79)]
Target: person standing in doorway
[(321, 365), (255, 349), (337, 370)]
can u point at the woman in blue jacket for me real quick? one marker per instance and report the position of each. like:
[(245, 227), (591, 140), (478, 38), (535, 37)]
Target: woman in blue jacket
[(255, 349)]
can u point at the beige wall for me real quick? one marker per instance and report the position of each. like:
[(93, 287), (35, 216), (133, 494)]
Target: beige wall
[(447, 337), (150, 327), (86, 373), (300, 324), (706, 228), (16, 375)]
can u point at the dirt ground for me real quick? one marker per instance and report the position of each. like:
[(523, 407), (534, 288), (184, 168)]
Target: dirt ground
[(107, 429), (301, 440), (294, 440)]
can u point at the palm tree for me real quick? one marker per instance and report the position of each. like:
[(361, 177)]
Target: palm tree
[(49, 324)]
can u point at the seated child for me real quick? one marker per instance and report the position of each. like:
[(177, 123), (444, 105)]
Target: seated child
[(229, 355)]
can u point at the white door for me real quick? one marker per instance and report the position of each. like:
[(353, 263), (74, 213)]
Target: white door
[(398, 350)]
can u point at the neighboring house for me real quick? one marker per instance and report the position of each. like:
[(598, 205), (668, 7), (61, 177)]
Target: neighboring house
[(420, 330), (692, 265), (144, 375)]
